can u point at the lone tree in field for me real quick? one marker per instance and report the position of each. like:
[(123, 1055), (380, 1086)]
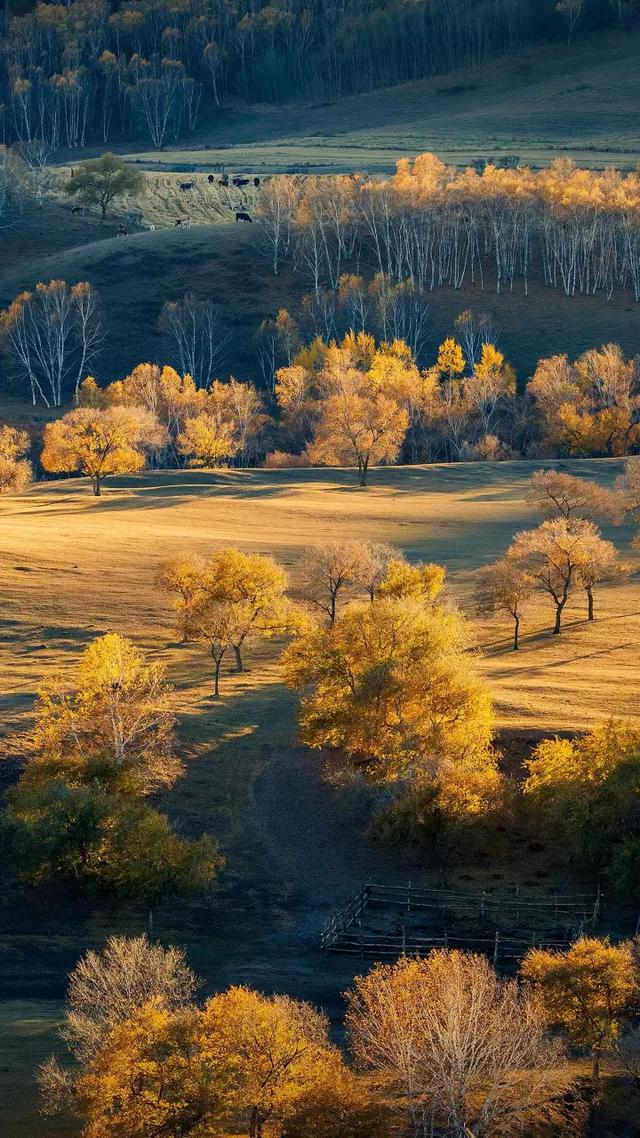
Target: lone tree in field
[(99, 442), (554, 555), (462, 1051), (119, 718), (99, 181), (586, 990), (601, 565), (560, 495), (15, 470), (504, 588), (391, 688)]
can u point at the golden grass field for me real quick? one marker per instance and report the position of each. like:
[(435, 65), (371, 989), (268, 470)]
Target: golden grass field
[(74, 567)]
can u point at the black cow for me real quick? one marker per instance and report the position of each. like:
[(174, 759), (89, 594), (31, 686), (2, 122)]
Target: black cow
[(240, 182), (210, 179), (256, 182), (242, 216), (186, 186), (78, 209)]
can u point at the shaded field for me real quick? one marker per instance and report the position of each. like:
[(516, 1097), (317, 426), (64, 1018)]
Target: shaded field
[(74, 568), (553, 100), (136, 275)]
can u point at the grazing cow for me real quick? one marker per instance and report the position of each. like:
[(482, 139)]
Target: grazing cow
[(210, 179), (186, 186), (186, 223), (242, 216), (122, 231), (178, 222), (224, 181), (152, 228), (78, 209), (256, 182), (240, 182)]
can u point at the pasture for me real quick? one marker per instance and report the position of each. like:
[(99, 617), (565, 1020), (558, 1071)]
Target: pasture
[(74, 568), (550, 101)]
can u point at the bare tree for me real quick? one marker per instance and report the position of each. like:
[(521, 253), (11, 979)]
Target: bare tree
[(473, 330), (195, 330), (278, 202), (373, 565), (464, 1051), (54, 334), (504, 587), (560, 495), (328, 570)]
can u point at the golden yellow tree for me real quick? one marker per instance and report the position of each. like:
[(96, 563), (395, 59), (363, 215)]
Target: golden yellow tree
[(422, 581), (100, 442), (504, 587), (119, 719), (15, 470), (586, 990), (358, 430), (451, 361), (392, 687), (561, 495)]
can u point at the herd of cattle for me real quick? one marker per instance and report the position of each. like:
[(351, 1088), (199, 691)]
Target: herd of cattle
[(185, 187)]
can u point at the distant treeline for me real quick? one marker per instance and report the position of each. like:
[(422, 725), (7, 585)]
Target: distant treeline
[(92, 71)]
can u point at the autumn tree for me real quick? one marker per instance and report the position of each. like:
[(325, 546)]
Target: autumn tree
[(118, 723), (391, 688), (107, 987), (421, 581), (584, 792), (554, 555), (462, 1051), (600, 565), (53, 334), (328, 571), (227, 598), (586, 990), (358, 430), (241, 1058), (15, 469), (99, 181), (504, 588), (561, 495), (100, 442)]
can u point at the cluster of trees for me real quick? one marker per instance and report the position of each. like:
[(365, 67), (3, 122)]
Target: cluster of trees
[(440, 1045), (436, 225), (91, 71), (566, 552), (355, 403), (77, 814), (15, 469), (154, 416)]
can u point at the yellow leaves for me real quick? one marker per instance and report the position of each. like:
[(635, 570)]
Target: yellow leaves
[(15, 471), (421, 582), (99, 442), (390, 685), (207, 440), (585, 990), (451, 361)]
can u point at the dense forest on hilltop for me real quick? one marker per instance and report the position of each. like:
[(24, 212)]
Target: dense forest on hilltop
[(91, 71)]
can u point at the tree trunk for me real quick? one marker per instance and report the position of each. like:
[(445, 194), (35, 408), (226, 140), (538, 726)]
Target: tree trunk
[(516, 633), (559, 607), (237, 650), (595, 1071), (216, 681), (590, 605), (97, 487), (362, 467), (255, 1124), (150, 923)]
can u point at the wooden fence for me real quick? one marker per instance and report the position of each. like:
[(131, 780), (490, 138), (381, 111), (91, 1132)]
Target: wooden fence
[(482, 913)]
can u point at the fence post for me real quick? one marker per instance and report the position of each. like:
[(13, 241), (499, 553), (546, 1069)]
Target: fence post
[(596, 906), (496, 947)]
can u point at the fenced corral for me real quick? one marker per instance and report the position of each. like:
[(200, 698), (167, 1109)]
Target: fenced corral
[(387, 921)]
